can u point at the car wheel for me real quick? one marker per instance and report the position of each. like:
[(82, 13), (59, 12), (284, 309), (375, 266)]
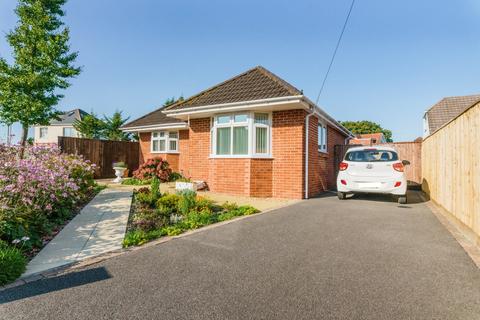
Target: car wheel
[(341, 195), (402, 199)]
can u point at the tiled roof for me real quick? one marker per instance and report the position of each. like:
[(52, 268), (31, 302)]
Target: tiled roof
[(69, 117), (255, 84), (155, 117), (447, 109), (377, 136)]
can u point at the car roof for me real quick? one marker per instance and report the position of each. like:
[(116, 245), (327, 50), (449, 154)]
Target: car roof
[(371, 148)]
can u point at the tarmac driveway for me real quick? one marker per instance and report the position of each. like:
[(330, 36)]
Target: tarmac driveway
[(364, 258)]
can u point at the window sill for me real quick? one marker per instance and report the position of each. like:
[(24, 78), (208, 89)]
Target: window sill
[(214, 156), (165, 152), (324, 153)]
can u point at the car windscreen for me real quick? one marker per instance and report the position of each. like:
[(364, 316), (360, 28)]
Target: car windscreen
[(373, 155)]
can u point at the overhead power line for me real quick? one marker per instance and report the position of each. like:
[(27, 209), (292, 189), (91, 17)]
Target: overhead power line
[(335, 51)]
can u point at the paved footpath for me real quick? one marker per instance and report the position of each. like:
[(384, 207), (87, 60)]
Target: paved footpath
[(99, 228)]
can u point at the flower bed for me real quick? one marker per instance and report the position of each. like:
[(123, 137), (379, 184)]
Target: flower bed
[(38, 194), (152, 168), (155, 215)]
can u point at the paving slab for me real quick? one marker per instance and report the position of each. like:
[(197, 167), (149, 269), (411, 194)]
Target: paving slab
[(97, 229)]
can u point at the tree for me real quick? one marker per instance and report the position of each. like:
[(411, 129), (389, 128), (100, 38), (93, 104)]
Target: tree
[(172, 100), (112, 126), (90, 126), (42, 64), (362, 127)]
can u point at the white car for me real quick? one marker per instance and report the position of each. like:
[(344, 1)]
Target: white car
[(372, 170)]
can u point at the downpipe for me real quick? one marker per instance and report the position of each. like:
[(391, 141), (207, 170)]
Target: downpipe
[(307, 125)]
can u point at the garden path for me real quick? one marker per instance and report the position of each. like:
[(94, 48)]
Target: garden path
[(97, 229)]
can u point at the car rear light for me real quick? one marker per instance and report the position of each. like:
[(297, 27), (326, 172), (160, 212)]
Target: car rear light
[(398, 184), (398, 167), (343, 166), (343, 182)]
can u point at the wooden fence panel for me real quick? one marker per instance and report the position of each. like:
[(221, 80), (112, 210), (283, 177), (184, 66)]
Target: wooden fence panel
[(103, 153), (411, 151), (451, 169)]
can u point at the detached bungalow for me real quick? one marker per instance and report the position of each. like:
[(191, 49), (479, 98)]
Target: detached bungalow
[(253, 135)]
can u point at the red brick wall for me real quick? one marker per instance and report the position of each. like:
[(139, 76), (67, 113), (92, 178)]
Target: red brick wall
[(321, 172), (229, 176), (199, 149), (145, 154), (281, 177), (261, 177), (184, 151), (287, 147)]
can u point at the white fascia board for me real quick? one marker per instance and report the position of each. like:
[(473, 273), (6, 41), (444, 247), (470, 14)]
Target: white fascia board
[(180, 125), (320, 113), (226, 107)]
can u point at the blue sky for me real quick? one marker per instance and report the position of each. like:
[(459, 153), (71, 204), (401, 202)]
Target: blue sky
[(397, 58)]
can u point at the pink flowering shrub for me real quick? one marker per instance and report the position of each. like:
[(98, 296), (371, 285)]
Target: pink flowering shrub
[(39, 191), (156, 167)]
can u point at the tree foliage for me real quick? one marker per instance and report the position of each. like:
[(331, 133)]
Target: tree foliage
[(90, 126), (172, 100), (112, 126), (362, 127), (42, 64)]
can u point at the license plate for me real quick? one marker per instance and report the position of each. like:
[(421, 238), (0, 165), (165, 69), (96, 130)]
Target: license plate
[(370, 185)]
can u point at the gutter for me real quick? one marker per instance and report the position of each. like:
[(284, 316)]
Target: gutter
[(251, 103), (179, 125)]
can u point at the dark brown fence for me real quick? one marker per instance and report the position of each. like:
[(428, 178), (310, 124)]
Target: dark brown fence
[(103, 153)]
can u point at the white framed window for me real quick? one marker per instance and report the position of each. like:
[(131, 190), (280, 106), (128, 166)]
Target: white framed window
[(322, 137), (261, 125), (43, 132), (68, 132), (164, 141), (242, 134)]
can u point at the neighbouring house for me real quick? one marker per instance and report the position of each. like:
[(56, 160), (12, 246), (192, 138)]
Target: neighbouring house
[(445, 110), (59, 128), (369, 139), (254, 135)]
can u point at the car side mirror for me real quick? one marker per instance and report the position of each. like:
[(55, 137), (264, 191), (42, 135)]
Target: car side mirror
[(405, 162)]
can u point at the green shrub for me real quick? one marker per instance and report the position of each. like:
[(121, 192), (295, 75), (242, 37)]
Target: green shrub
[(119, 164), (194, 220), (155, 188), (145, 199), (169, 200), (239, 211), (187, 201), (149, 219), (139, 237), (203, 204), (173, 230), (174, 176), (136, 182), (229, 206), (247, 210), (12, 264)]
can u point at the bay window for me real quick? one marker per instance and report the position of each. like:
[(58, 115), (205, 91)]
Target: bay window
[(322, 137), (164, 141), (241, 134)]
